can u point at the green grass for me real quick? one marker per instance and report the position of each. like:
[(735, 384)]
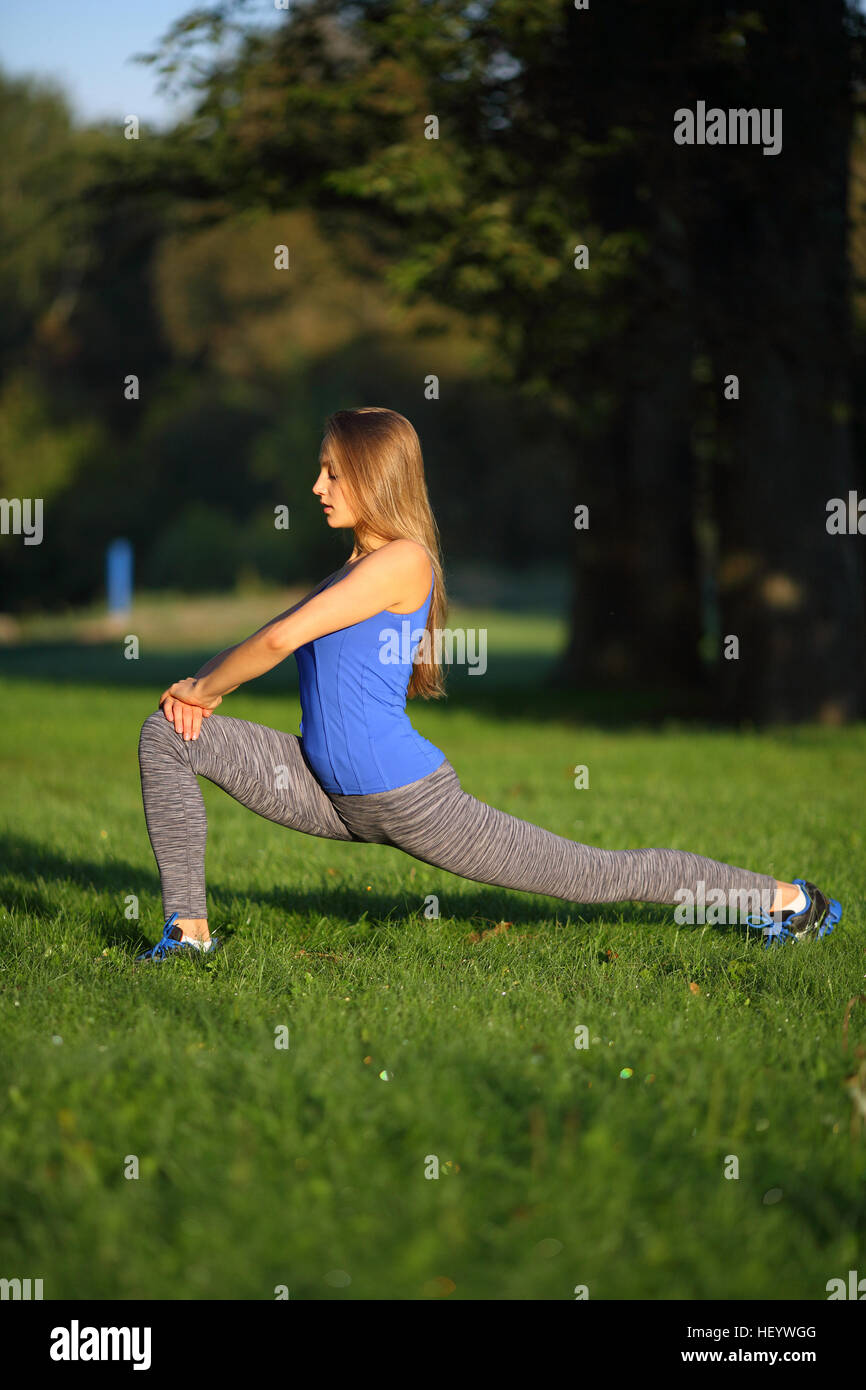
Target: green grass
[(262, 1167)]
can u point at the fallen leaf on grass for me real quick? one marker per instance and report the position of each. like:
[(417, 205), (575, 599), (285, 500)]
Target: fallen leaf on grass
[(499, 930), (440, 1287)]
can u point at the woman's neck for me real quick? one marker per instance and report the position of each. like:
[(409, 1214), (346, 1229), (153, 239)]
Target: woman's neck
[(370, 543)]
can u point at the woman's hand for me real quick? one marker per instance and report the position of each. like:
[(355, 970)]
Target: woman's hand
[(185, 709), (190, 692)]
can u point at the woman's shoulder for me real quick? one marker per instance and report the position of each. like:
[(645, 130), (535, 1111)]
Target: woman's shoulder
[(400, 566), (409, 556)]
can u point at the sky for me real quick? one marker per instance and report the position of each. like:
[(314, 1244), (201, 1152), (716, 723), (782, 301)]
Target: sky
[(86, 45)]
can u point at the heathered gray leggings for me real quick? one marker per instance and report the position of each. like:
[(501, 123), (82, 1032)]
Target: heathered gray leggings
[(432, 819)]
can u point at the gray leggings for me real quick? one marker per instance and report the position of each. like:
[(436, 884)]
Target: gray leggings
[(432, 819)]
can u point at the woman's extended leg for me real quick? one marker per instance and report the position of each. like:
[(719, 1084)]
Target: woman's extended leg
[(434, 820), (262, 768)]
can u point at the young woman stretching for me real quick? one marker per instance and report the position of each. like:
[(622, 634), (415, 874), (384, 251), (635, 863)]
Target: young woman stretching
[(359, 770)]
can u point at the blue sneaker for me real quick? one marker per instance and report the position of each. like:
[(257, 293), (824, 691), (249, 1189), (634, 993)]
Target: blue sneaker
[(172, 944), (818, 918)]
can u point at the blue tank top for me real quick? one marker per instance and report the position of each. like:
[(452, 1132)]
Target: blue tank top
[(355, 732)]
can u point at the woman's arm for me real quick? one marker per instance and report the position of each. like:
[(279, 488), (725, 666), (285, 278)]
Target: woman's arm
[(187, 717), (213, 663), (289, 611), (373, 584), (217, 660)]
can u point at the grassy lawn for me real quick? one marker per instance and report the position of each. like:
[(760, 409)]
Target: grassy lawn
[(411, 1037)]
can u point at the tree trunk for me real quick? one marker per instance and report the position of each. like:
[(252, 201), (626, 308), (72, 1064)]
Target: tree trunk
[(788, 590), (636, 612)]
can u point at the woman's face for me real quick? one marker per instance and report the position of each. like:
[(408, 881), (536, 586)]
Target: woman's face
[(329, 490)]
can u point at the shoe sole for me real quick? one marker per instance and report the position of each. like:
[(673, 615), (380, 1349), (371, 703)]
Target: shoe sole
[(832, 918), (778, 934), (186, 951)]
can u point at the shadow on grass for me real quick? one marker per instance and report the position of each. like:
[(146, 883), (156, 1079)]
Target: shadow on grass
[(517, 685), (26, 861)]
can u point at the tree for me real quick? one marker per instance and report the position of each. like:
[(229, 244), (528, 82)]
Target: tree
[(555, 129)]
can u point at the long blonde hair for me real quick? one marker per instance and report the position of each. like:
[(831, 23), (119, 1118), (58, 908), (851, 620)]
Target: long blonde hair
[(377, 454)]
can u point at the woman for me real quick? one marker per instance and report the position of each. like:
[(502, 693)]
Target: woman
[(359, 770)]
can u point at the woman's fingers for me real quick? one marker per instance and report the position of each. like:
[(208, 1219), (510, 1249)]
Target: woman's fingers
[(196, 712), (173, 711), (185, 718)]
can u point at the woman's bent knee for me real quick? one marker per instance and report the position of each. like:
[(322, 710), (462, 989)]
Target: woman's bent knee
[(156, 732), (153, 721)]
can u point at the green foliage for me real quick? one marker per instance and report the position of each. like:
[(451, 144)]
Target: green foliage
[(40, 454), (198, 550), (39, 174)]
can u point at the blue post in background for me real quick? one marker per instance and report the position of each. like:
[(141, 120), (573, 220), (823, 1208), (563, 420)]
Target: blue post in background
[(118, 577)]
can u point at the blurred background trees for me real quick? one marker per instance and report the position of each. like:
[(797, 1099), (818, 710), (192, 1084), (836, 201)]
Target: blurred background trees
[(454, 257)]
